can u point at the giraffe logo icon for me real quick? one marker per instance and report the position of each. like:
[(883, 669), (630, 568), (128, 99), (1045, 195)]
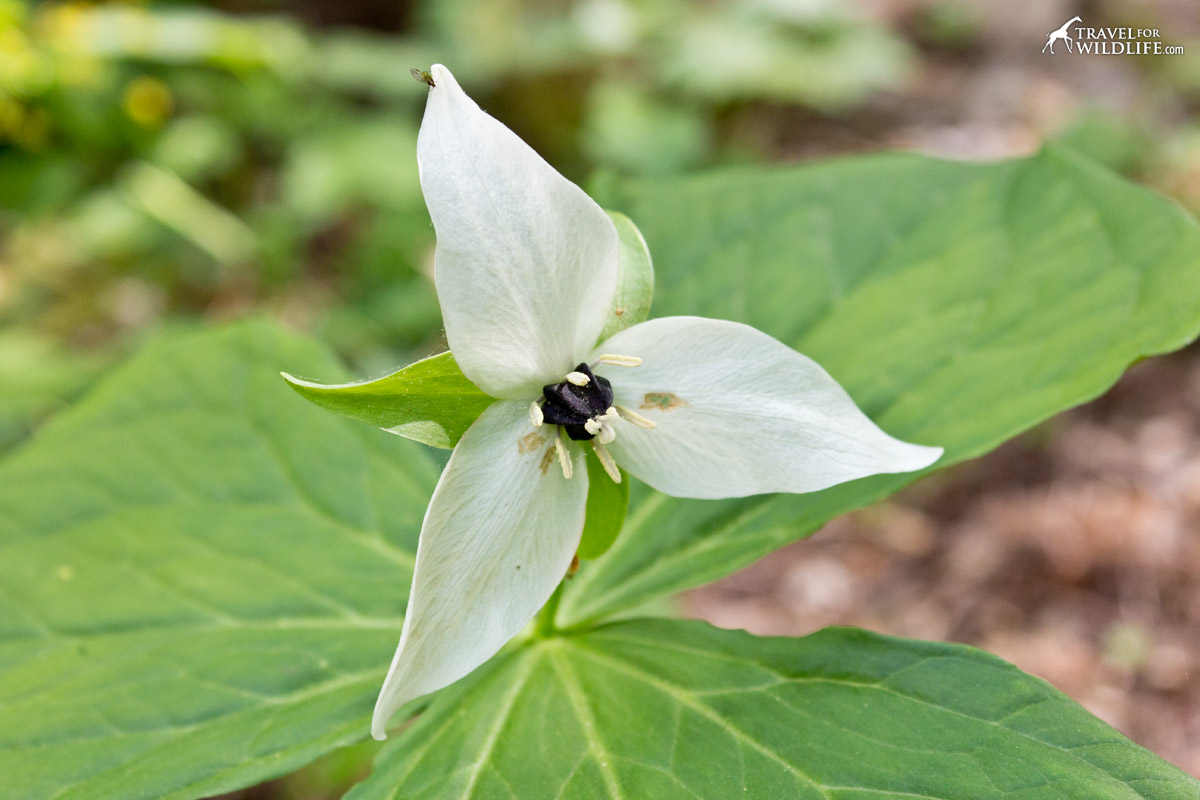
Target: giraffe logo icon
[(1061, 33)]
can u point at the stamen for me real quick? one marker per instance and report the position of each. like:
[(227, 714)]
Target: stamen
[(635, 418), (564, 458), (578, 378), (606, 461), (535, 414), (606, 434), (619, 361)]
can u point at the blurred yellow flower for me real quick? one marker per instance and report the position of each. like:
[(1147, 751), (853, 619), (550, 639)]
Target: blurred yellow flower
[(148, 101)]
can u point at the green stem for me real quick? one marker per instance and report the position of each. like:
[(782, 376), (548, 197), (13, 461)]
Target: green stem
[(545, 623)]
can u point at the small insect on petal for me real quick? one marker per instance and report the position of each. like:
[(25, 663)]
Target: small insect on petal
[(614, 360), (422, 76)]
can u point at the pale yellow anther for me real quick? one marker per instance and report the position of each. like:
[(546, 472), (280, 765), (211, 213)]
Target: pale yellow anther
[(635, 418), (606, 461), (619, 361), (578, 378), (607, 433), (564, 458), (535, 414), (601, 426)]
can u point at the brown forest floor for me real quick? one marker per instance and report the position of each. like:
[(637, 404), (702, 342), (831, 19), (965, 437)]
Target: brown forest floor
[(1071, 551)]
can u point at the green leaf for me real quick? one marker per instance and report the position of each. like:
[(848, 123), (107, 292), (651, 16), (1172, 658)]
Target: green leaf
[(668, 709), (200, 577), (606, 505), (37, 377), (959, 305), (635, 279), (430, 401)]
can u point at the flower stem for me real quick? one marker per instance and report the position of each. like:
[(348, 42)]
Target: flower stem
[(545, 622)]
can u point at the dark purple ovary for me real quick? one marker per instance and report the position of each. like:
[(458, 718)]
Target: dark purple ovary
[(571, 406)]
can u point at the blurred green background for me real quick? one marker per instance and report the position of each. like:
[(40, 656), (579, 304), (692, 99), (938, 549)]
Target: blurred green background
[(175, 163), (163, 163)]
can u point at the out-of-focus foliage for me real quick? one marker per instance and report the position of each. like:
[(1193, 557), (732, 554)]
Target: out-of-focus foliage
[(184, 161), (162, 162)]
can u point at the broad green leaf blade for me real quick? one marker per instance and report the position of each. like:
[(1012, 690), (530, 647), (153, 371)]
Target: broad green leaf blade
[(201, 576), (668, 709), (959, 305), (430, 401), (635, 279), (606, 505), (37, 377)]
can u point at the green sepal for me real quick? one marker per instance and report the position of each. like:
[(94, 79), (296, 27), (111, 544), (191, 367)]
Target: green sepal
[(635, 279), (607, 502), (430, 401)]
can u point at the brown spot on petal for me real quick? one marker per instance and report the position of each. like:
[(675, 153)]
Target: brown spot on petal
[(531, 442), (663, 401), (547, 460)]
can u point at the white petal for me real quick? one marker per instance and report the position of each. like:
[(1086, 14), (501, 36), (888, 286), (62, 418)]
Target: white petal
[(739, 413), (526, 263), (498, 537)]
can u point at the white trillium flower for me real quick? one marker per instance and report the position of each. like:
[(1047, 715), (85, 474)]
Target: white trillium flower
[(526, 268)]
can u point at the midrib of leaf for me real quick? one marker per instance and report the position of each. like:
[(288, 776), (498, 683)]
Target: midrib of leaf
[(686, 699), (587, 723), (493, 736)]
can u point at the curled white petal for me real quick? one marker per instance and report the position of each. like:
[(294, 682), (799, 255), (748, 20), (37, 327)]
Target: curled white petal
[(498, 536), (526, 263), (737, 413)]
